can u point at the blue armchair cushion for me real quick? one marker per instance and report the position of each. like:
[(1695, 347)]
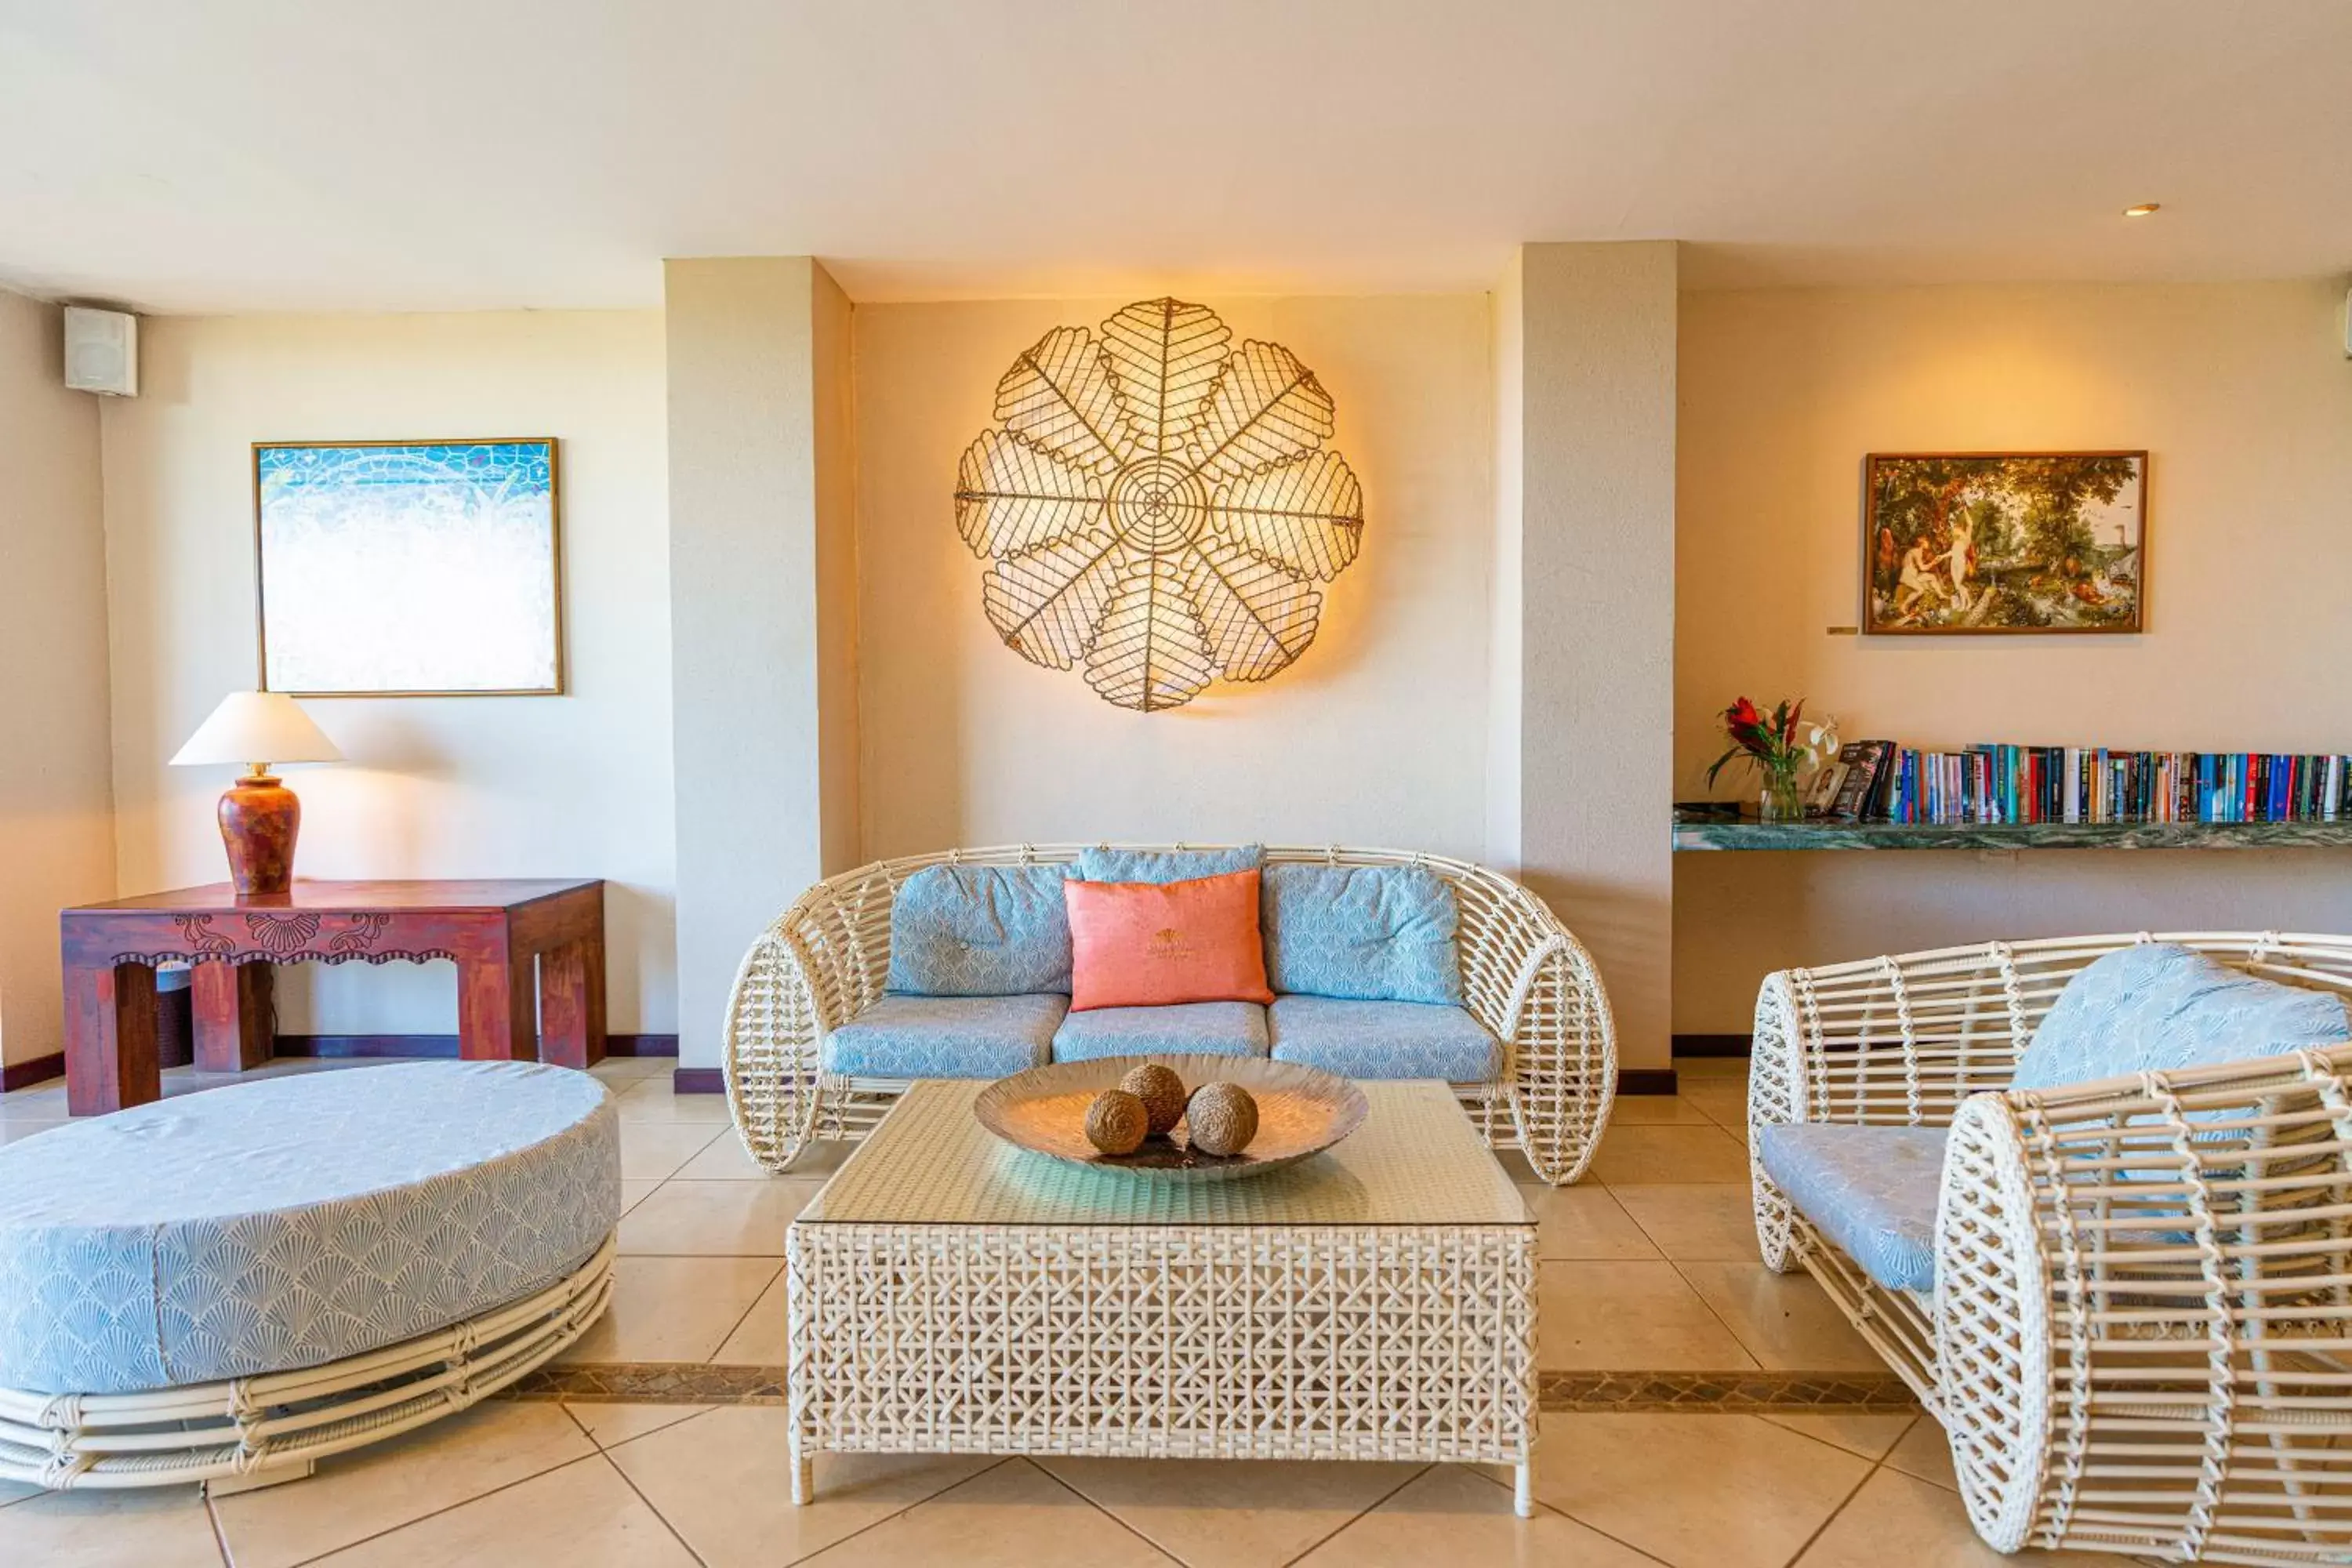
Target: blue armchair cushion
[(1871, 1190), (1212, 1028), (1365, 934), (946, 1037), (2158, 1006), (1383, 1039), (980, 931), (1103, 864)]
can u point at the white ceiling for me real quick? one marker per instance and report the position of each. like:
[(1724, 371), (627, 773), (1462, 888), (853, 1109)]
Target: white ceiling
[(185, 155)]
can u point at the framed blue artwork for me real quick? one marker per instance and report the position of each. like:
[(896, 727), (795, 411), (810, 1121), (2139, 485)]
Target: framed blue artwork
[(409, 568)]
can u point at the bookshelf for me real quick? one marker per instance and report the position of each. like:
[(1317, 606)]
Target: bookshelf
[(1711, 833)]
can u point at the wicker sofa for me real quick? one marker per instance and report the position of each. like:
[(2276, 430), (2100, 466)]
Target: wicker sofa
[(2139, 1330), (824, 962)]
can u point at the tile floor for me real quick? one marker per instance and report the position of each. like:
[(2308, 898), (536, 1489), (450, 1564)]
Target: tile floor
[(1650, 1265)]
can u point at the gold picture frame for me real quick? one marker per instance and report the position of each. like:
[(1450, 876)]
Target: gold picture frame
[(420, 559), (2004, 543)]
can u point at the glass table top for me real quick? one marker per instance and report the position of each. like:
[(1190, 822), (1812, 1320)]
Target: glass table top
[(1417, 1161)]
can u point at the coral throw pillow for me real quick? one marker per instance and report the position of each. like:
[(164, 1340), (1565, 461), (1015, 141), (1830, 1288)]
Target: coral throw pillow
[(1154, 944)]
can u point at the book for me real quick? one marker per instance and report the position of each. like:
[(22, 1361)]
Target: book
[(1998, 782), (1865, 763), (1823, 790)]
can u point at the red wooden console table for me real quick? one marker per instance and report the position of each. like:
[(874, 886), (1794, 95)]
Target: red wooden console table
[(494, 930)]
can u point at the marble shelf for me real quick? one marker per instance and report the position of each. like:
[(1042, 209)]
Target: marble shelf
[(1746, 834)]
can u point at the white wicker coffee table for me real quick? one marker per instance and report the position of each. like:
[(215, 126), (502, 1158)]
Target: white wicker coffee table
[(952, 1295)]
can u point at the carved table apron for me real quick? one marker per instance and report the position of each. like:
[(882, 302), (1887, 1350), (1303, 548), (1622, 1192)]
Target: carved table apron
[(530, 957)]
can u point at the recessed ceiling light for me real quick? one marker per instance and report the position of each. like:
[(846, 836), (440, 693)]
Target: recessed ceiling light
[(2143, 209)]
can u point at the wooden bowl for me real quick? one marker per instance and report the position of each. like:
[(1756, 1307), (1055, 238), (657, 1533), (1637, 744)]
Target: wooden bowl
[(1301, 1110)]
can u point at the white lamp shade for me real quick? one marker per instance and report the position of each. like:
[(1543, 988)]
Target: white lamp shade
[(257, 727)]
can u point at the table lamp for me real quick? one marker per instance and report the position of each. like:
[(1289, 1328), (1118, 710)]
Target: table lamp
[(258, 815)]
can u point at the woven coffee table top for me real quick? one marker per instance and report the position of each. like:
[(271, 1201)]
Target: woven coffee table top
[(1415, 1162)]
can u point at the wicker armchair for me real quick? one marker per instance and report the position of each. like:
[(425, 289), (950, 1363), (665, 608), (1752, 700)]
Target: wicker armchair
[(2140, 1335), (824, 960)]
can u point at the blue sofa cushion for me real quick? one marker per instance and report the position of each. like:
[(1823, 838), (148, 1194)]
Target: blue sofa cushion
[(946, 1037), (1871, 1190), (1212, 1028), (1103, 864), (1383, 1039), (1366, 933), (293, 1221), (2158, 1006), (980, 931)]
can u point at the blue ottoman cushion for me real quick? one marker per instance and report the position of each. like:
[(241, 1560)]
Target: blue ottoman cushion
[(1871, 1190), (946, 1037), (1383, 1039), (295, 1221), (1210, 1028)]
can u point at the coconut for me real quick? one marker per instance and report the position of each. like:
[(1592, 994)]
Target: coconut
[(1161, 1092), (1116, 1122), (1222, 1118)]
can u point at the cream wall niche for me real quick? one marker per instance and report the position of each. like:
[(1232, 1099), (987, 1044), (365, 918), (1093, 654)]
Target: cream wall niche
[(57, 845), (571, 785), (2242, 396), (1376, 735)]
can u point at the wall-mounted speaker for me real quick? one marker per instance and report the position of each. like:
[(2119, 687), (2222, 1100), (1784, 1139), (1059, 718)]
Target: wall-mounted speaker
[(102, 352)]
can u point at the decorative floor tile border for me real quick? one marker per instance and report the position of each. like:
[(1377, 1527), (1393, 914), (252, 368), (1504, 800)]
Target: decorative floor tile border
[(653, 1383), (1727, 1393), (1693, 1393)]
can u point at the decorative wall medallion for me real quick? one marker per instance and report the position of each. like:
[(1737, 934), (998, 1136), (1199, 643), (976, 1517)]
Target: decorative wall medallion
[(1158, 505)]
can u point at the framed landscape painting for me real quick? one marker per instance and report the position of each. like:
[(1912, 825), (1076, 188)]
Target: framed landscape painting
[(1984, 542), (409, 568)]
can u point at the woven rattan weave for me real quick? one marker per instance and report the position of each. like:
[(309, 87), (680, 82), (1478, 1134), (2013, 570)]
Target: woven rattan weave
[(1158, 505), (824, 959), (949, 1293), (275, 1426), (2140, 1337)]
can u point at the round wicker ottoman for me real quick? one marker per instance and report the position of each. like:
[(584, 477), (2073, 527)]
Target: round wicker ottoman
[(225, 1287)]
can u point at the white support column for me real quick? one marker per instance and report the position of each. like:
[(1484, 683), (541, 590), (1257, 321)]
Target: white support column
[(763, 594), (1581, 752)]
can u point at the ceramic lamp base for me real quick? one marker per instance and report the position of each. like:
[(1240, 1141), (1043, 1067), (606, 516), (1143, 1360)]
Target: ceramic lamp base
[(259, 818)]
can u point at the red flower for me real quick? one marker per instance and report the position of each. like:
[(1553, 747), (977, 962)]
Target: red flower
[(1767, 740)]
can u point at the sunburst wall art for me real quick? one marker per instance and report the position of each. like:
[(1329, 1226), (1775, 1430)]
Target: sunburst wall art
[(1158, 505)]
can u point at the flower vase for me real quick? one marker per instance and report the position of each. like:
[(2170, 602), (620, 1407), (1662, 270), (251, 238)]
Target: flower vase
[(1781, 800)]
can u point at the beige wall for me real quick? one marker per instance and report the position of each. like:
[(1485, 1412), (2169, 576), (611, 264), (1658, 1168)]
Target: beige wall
[(575, 785), (1395, 726), (1376, 735), (57, 845), (2244, 398)]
